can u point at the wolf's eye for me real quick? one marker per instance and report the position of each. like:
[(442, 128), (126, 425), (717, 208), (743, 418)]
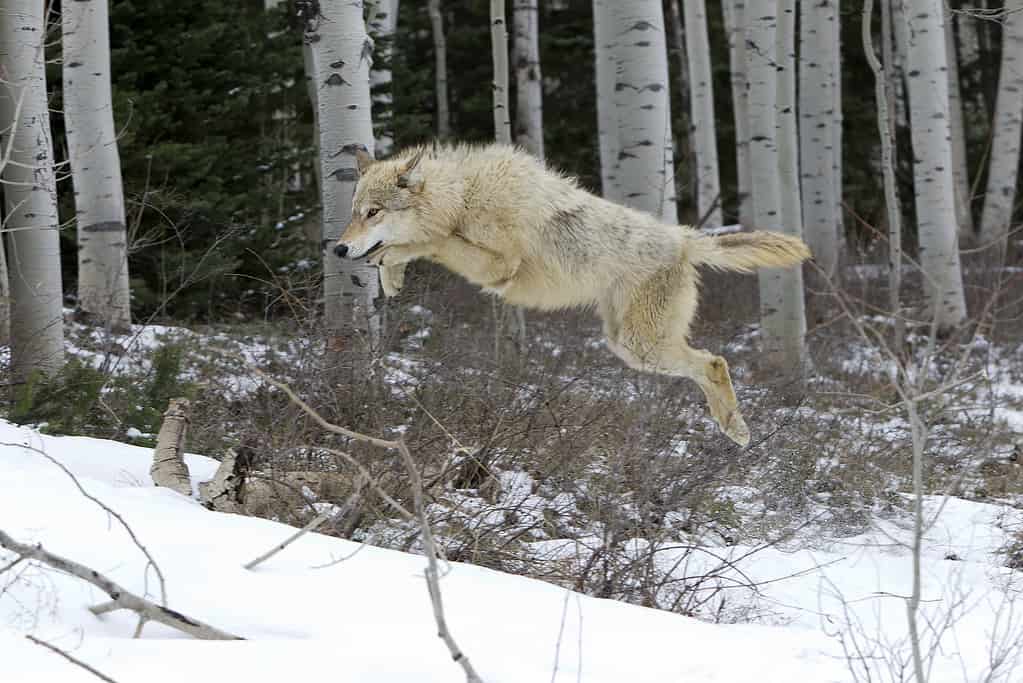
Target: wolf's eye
[(372, 212)]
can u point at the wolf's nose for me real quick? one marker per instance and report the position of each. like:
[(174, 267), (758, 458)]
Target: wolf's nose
[(341, 250)]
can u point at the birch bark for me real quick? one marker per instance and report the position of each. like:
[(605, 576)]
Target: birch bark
[(528, 76), (702, 128), (817, 73), (604, 42), (33, 246), (783, 322), (643, 110), (440, 57), (1004, 165), (932, 163), (103, 284), (339, 54)]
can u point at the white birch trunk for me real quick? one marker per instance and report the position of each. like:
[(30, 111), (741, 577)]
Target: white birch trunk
[(528, 76), (783, 323), (339, 58), (678, 33), (503, 134), (817, 73), (960, 174), (643, 109), (604, 42), (33, 247), (499, 51), (886, 133), (440, 58), (836, 126), (735, 24), (702, 128), (900, 55), (103, 285), (382, 20), (1004, 165), (786, 122), (932, 168)]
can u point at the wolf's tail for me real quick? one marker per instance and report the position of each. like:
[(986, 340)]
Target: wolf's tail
[(747, 251)]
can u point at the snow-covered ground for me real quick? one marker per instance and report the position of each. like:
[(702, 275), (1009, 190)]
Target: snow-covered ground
[(368, 618)]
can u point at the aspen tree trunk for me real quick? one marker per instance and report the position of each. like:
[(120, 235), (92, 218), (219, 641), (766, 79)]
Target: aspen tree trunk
[(702, 128), (783, 321), (1002, 173), (817, 73), (33, 247), (440, 56), (382, 20), (103, 285), (643, 109), (735, 24), (528, 76), (836, 126), (690, 175), (604, 42), (898, 73), (960, 174), (932, 150), (499, 50), (886, 133), (339, 58), (786, 121), (502, 132)]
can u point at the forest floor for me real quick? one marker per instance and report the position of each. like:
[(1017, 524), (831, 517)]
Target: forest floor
[(560, 464)]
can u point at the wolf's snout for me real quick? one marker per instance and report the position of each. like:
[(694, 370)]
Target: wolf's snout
[(341, 250)]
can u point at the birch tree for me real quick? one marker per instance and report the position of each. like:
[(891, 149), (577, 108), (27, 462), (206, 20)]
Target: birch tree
[(817, 74), (440, 80), (735, 24), (502, 132), (932, 167), (643, 110), (783, 321), (960, 173), (499, 50), (103, 285), (382, 18), (1000, 197), (702, 128), (339, 53), (30, 194), (528, 76), (607, 119), (838, 120)]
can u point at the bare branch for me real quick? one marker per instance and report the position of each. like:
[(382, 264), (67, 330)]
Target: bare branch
[(120, 598), (313, 524), (74, 660)]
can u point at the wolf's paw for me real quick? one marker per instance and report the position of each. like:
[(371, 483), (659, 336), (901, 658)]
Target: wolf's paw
[(735, 429), (392, 279)]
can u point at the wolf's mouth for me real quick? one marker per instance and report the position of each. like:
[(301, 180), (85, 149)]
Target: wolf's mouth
[(373, 250)]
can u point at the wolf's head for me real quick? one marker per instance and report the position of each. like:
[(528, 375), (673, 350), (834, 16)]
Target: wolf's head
[(386, 208)]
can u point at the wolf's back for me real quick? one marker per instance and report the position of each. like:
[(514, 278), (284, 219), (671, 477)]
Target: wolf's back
[(745, 252)]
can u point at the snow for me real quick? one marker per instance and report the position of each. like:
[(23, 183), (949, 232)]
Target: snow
[(368, 618)]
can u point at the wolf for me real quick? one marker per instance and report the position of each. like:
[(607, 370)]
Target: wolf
[(532, 236)]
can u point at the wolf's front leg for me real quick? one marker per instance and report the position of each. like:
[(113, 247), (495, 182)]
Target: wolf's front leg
[(392, 279)]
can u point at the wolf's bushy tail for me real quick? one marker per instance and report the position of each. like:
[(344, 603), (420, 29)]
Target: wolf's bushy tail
[(747, 251)]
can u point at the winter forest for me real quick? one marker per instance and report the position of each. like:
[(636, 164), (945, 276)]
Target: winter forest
[(519, 340)]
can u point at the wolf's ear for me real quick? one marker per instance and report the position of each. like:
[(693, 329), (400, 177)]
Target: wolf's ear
[(410, 176)]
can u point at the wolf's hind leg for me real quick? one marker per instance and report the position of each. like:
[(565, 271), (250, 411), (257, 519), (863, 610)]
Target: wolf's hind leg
[(710, 373)]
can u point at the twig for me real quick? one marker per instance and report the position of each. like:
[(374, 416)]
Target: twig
[(429, 544), (150, 561), (74, 660), (313, 524), (432, 575), (120, 598)]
